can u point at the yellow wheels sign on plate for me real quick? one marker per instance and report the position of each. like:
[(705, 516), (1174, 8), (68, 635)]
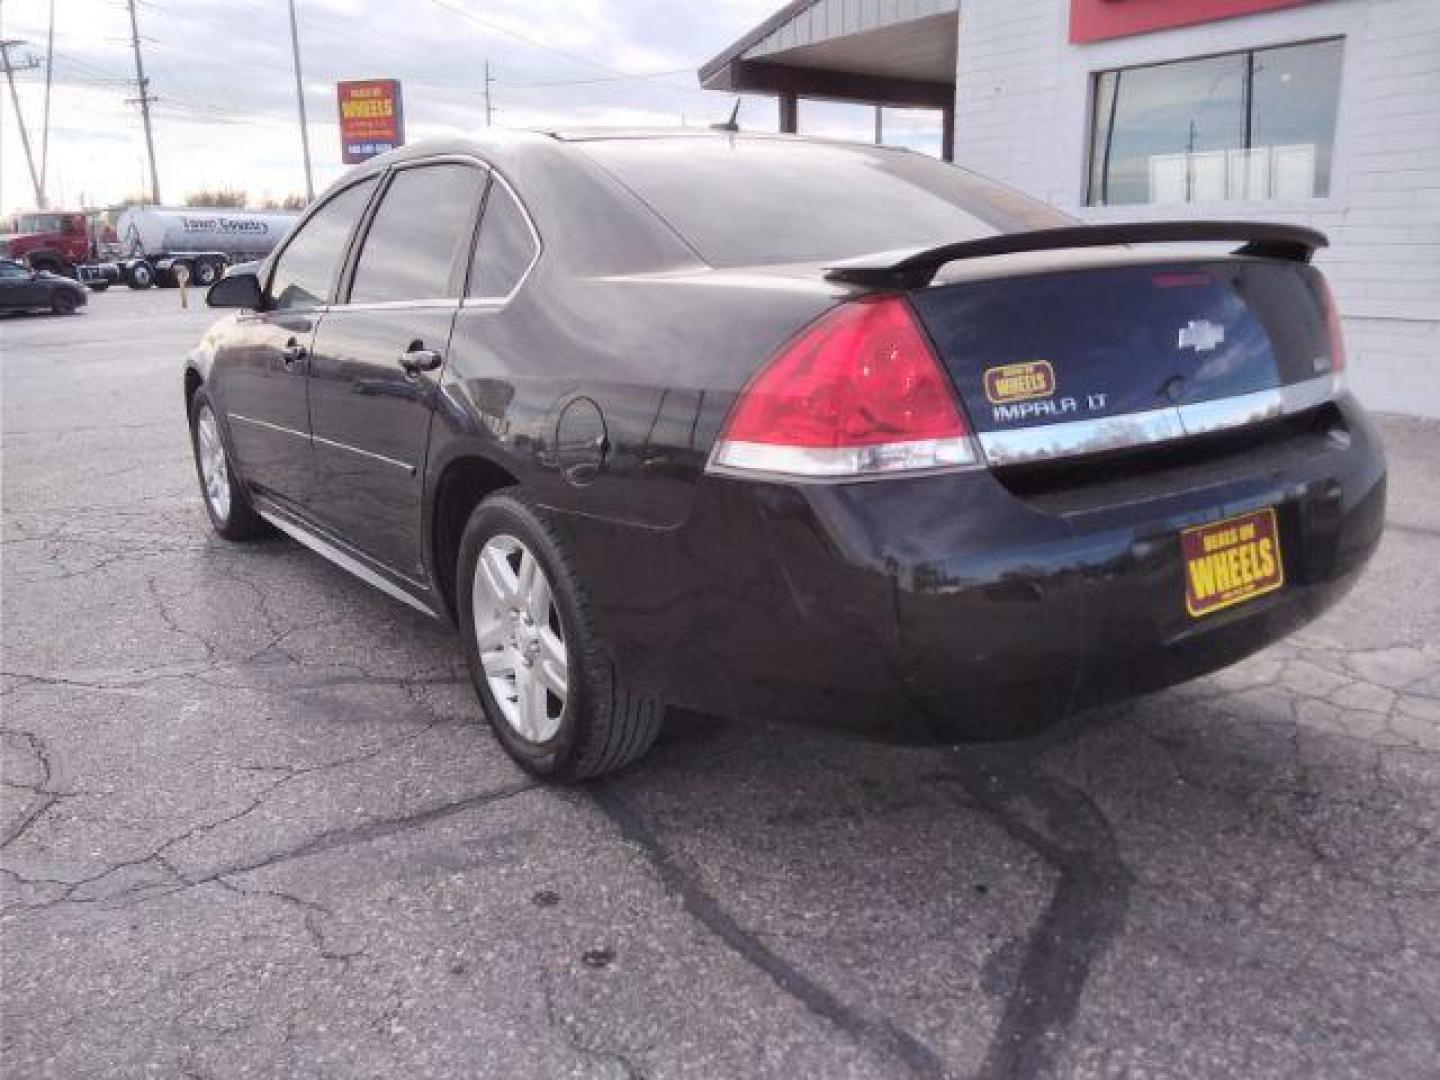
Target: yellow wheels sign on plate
[(1231, 561)]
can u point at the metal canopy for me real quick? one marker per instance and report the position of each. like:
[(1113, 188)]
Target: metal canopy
[(897, 53)]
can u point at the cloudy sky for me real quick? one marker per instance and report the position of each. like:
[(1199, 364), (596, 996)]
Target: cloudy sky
[(226, 115)]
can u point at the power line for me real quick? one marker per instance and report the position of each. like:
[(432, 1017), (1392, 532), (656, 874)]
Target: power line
[(575, 58)]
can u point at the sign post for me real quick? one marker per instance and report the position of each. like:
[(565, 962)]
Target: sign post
[(372, 118)]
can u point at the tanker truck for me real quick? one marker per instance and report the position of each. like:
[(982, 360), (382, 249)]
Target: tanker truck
[(156, 241)]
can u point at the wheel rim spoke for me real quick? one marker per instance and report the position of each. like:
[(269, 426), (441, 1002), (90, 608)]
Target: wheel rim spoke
[(213, 469), (520, 638), (499, 577)]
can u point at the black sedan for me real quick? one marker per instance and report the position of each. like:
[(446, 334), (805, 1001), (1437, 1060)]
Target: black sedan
[(770, 426), (23, 289)]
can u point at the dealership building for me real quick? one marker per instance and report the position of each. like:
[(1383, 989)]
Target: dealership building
[(1319, 112)]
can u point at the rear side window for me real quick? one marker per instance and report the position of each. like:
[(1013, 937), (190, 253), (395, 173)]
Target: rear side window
[(306, 268), (504, 249), (745, 201), (418, 233)]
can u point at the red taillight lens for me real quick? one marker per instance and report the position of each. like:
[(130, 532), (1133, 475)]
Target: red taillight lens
[(858, 392), (1332, 326)]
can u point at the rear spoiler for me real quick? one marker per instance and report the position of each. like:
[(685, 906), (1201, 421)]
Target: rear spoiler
[(914, 268)]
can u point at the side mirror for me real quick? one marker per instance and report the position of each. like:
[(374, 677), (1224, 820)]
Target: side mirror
[(236, 290)]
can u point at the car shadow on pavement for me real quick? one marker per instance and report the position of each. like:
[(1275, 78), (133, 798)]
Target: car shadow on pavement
[(1159, 844)]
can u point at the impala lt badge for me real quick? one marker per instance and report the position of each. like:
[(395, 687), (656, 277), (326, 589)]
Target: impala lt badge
[(1200, 335)]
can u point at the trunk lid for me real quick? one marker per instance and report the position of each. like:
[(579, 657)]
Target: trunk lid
[(1130, 353)]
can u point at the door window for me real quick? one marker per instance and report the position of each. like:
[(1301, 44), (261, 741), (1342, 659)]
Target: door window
[(505, 248), (306, 268), (415, 241), (13, 270)]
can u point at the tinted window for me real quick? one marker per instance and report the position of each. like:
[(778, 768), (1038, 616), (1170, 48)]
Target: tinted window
[(754, 200), (12, 270), (1247, 126), (421, 227), (505, 247), (306, 268)]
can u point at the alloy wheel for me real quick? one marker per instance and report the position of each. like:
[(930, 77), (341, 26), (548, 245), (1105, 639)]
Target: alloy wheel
[(213, 468), (520, 638)]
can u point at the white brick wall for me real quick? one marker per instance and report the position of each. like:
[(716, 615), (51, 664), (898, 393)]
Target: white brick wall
[(1022, 116)]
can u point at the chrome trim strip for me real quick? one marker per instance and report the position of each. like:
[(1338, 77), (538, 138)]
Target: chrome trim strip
[(328, 442), (365, 453), (267, 424), (342, 560), (1077, 437), (1203, 417)]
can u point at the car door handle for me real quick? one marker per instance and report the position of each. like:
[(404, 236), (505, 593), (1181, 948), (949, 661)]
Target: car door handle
[(414, 361), (292, 354)]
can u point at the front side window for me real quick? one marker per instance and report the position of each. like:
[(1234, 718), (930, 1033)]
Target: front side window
[(12, 270), (504, 249), (419, 232), (306, 268), (1245, 126)]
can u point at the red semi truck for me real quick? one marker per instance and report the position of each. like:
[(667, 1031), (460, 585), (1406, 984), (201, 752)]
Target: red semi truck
[(69, 242), (148, 245)]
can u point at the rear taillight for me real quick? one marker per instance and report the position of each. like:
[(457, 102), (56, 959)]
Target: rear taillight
[(858, 394), (1336, 335)]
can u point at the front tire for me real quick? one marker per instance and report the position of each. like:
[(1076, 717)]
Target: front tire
[(226, 501), (64, 302), (545, 680), (141, 276), (205, 273)]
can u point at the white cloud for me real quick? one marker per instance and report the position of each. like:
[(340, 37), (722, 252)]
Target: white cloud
[(226, 114)]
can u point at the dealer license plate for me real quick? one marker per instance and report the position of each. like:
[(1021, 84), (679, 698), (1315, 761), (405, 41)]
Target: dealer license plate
[(1229, 562)]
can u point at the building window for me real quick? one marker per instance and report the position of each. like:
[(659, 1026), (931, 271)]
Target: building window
[(1245, 126)]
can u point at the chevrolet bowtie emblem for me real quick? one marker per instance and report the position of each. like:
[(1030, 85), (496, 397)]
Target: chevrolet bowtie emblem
[(1200, 335)]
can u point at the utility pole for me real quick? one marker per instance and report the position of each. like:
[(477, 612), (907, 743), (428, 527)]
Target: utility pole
[(300, 100), (45, 123), (5, 47), (488, 80), (144, 99)]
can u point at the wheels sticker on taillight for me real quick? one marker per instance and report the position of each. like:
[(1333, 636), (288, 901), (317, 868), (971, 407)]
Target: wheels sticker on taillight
[(858, 394)]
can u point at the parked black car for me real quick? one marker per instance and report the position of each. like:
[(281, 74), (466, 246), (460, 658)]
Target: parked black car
[(650, 419), (23, 289)]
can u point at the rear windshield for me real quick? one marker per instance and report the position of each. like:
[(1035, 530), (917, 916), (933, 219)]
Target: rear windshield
[(741, 202)]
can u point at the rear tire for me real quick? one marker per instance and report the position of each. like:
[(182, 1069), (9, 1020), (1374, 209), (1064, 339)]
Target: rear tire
[(64, 302), (140, 276), (226, 501), (512, 635), (205, 274)]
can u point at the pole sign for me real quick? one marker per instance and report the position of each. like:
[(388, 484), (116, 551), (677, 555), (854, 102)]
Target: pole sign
[(372, 119)]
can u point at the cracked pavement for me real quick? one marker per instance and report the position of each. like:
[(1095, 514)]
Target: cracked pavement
[(251, 825)]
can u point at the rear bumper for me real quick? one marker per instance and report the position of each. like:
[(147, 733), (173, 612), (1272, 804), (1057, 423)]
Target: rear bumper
[(960, 607)]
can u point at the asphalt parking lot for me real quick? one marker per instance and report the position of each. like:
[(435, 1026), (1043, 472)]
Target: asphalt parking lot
[(252, 825)]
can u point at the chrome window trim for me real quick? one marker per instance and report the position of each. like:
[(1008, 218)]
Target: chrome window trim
[(397, 305), (497, 302), (1047, 442), (343, 560)]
